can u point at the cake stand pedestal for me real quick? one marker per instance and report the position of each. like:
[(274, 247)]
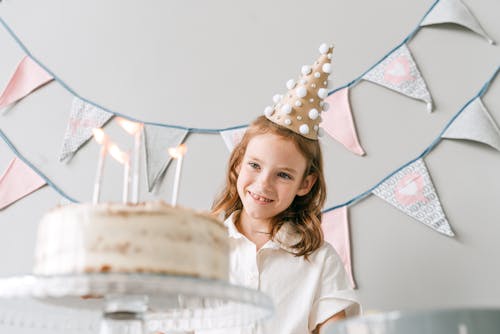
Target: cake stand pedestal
[(111, 303)]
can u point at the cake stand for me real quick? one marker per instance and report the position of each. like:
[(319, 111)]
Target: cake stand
[(109, 303)]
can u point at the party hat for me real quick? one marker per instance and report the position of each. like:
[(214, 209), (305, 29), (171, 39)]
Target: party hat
[(300, 108)]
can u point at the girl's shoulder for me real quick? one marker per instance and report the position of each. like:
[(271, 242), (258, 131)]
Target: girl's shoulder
[(326, 252)]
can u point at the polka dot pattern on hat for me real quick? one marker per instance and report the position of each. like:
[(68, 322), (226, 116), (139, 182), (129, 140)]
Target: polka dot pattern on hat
[(300, 108)]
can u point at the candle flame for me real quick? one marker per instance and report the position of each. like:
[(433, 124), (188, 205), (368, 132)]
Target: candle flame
[(99, 136), (131, 127), (177, 152), (118, 154)]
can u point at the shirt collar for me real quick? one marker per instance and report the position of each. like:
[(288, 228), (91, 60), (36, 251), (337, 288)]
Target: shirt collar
[(285, 238)]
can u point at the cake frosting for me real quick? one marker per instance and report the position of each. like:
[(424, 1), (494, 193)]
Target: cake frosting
[(131, 238)]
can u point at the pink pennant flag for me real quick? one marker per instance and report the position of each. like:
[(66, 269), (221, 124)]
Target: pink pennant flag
[(28, 77), (336, 231), (338, 121), (18, 181)]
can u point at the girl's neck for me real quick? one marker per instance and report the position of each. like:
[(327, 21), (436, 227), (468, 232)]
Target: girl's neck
[(257, 231)]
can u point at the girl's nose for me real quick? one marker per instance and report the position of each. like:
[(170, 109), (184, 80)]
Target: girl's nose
[(265, 180)]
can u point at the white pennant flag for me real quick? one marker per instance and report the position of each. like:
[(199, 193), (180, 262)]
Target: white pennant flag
[(400, 73), (157, 140), (475, 123), (232, 137), (411, 190), (82, 119), (454, 11)]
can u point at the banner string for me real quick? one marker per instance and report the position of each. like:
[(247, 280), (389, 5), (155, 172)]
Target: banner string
[(349, 202), (425, 152), (36, 170), (190, 129), (406, 40)]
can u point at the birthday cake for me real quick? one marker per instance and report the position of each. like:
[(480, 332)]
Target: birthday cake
[(149, 237)]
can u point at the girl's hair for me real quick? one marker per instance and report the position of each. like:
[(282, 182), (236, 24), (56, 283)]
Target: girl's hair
[(305, 211)]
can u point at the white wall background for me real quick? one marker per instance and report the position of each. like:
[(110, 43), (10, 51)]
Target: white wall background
[(215, 64)]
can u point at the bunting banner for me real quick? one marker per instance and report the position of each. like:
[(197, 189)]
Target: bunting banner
[(475, 123), (335, 226), (338, 121), (454, 11), (82, 119), (157, 140), (18, 181), (28, 77), (411, 190), (400, 73), (232, 137)]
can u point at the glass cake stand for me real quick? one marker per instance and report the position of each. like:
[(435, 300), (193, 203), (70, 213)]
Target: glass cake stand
[(110, 303)]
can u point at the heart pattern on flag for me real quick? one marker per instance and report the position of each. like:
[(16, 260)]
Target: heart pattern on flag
[(410, 189), (398, 71)]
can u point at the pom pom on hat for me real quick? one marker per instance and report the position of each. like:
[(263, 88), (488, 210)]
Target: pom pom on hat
[(304, 101), (269, 111), (290, 84)]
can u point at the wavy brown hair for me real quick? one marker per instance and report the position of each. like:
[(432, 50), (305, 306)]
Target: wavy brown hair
[(305, 211)]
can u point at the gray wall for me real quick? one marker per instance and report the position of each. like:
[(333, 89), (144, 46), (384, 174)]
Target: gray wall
[(215, 64)]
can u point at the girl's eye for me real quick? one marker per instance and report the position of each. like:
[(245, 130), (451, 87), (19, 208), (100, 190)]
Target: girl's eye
[(285, 175), (253, 165)]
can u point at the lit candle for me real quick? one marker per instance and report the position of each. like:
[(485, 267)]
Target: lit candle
[(123, 158), (134, 129), (101, 138), (178, 154)]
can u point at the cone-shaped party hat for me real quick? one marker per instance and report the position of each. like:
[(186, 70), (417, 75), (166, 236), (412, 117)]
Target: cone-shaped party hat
[(300, 108)]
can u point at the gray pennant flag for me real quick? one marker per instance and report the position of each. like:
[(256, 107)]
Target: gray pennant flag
[(82, 119), (411, 190), (454, 11), (157, 140), (475, 123), (400, 73)]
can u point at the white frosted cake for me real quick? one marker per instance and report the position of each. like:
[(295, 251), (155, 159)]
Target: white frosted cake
[(134, 238)]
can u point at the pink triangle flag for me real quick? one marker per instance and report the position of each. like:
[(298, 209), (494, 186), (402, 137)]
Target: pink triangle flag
[(17, 181), (28, 77), (335, 227), (338, 121)]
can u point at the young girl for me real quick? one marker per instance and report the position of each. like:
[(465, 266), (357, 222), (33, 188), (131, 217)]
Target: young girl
[(272, 201)]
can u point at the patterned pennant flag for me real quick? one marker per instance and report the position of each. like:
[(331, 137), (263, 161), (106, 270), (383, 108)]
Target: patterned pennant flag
[(338, 121), (18, 180), (412, 191), (475, 123), (399, 72), (157, 140), (454, 11), (82, 119), (335, 227), (28, 77), (232, 137)]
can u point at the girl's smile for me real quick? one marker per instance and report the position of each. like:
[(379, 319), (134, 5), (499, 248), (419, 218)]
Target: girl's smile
[(260, 199)]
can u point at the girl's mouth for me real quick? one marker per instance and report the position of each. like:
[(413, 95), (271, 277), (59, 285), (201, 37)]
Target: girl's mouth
[(259, 198)]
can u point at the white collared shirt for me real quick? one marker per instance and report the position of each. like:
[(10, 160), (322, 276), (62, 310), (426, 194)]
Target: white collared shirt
[(305, 293)]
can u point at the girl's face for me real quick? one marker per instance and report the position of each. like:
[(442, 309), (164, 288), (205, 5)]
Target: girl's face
[(270, 176)]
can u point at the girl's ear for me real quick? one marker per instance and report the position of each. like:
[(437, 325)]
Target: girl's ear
[(307, 184)]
